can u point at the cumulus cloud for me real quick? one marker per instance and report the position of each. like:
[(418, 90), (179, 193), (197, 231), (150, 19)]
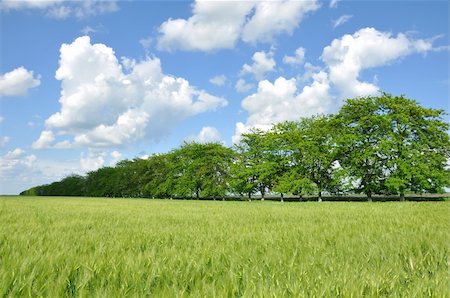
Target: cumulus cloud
[(262, 63), (103, 105), (93, 161), (214, 25), (61, 9), (272, 18), (282, 100), (219, 80), (12, 167), (45, 140), (17, 82), (208, 134), (347, 56), (116, 156), (341, 20), (297, 59), (242, 86), (220, 24)]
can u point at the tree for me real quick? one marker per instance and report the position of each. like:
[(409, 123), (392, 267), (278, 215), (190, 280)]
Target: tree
[(310, 153), (157, 177), (130, 178), (103, 182), (201, 169), (292, 182), (362, 144), (255, 168), (419, 146), (391, 144)]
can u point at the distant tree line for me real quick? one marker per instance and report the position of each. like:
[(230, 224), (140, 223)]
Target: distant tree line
[(382, 144)]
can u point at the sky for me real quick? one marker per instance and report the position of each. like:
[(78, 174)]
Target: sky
[(84, 84)]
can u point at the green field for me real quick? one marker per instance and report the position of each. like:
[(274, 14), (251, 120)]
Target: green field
[(129, 247)]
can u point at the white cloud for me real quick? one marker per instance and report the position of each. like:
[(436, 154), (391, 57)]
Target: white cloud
[(101, 105), (146, 43), (61, 9), (298, 58), (116, 156), (262, 63), (220, 24), (219, 80), (2, 119), (12, 166), (4, 141), (87, 30), (93, 161), (341, 20), (214, 25), (208, 134), (347, 56), (45, 140), (334, 3), (27, 4), (19, 171), (272, 18), (242, 86), (17, 82), (283, 100)]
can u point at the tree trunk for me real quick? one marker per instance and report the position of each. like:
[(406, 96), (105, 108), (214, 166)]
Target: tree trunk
[(249, 196), (262, 195), (402, 196), (197, 194), (320, 196), (369, 197), (282, 200)]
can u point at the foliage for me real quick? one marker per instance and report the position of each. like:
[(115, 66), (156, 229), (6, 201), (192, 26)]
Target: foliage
[(391, 144), (53, 247), (375, 145), (256, 167)]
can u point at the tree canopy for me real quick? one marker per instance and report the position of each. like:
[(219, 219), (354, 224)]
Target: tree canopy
[(374, 145)]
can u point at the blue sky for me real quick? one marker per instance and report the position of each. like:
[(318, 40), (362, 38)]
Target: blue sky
[(87, 83)]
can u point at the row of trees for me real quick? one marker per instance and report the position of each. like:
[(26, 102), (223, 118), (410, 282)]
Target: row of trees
[(373, 145)]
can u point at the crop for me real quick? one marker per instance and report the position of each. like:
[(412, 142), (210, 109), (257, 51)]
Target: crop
[(134, 247)]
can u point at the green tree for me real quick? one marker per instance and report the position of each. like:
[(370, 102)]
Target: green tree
[(292, 182), (309, 153), (419, 146), (256, 166), (201, 170), (157, 177), (391, 144)]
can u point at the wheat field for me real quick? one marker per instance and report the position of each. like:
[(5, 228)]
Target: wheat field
[(88, 247)]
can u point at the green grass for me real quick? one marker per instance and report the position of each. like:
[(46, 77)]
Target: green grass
[(117, 247)]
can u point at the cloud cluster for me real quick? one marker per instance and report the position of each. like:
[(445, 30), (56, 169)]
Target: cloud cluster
[(262, 63), (208, 134), (218, 80), (298, 58), (61, 9), (348, 56), (345, 58), (17, 82), (220, 24), (107, 103), (93, 161), (14, 166), (282, 100)]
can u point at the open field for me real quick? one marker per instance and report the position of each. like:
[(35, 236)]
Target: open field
[(130, 247)]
